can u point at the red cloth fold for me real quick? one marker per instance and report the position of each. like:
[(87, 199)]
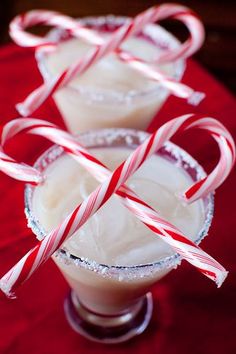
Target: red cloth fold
[(190, 315)]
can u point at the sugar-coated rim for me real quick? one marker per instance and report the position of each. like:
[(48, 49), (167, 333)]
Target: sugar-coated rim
[(155, 33), (97, 138)]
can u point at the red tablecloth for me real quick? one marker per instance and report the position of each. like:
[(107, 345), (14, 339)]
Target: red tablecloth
[(191, 315)]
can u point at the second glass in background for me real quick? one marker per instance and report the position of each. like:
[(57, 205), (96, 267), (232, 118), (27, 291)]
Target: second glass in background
[(110, 93)]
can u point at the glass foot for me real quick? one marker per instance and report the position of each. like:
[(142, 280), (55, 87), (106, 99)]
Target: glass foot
[(108, 328)]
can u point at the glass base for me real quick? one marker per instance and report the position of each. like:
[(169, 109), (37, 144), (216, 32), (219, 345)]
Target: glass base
[(108, 328)]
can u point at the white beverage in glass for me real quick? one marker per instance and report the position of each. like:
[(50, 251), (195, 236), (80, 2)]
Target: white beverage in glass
[(117, 251), (110, 93)]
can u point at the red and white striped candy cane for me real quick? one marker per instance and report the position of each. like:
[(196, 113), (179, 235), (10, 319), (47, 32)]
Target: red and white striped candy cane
[(31, 18), (36, 98), (156, 13), (17, 170), (147, 215)]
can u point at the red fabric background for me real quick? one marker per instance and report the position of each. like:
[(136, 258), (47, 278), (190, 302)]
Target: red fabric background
[(191, 315)]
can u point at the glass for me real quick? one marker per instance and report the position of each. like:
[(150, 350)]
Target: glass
[(85, 108), (112, 304)]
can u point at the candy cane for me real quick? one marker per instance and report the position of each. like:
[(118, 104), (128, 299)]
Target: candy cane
[(156, 13), (206, 264), (17, 170), (37, 97)]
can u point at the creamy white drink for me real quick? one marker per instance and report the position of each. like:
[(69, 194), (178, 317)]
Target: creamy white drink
[(113, 236), (110, 93)]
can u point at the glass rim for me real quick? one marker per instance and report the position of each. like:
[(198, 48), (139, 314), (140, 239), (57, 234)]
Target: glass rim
[(156, 34), (119, 271)]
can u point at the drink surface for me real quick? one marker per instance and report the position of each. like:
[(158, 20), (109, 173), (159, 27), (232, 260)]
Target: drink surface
[(113, 235), (109, 74)]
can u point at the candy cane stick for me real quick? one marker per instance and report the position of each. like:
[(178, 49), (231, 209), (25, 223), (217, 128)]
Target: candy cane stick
[(38, 255), (36, 98), (17, 170)]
